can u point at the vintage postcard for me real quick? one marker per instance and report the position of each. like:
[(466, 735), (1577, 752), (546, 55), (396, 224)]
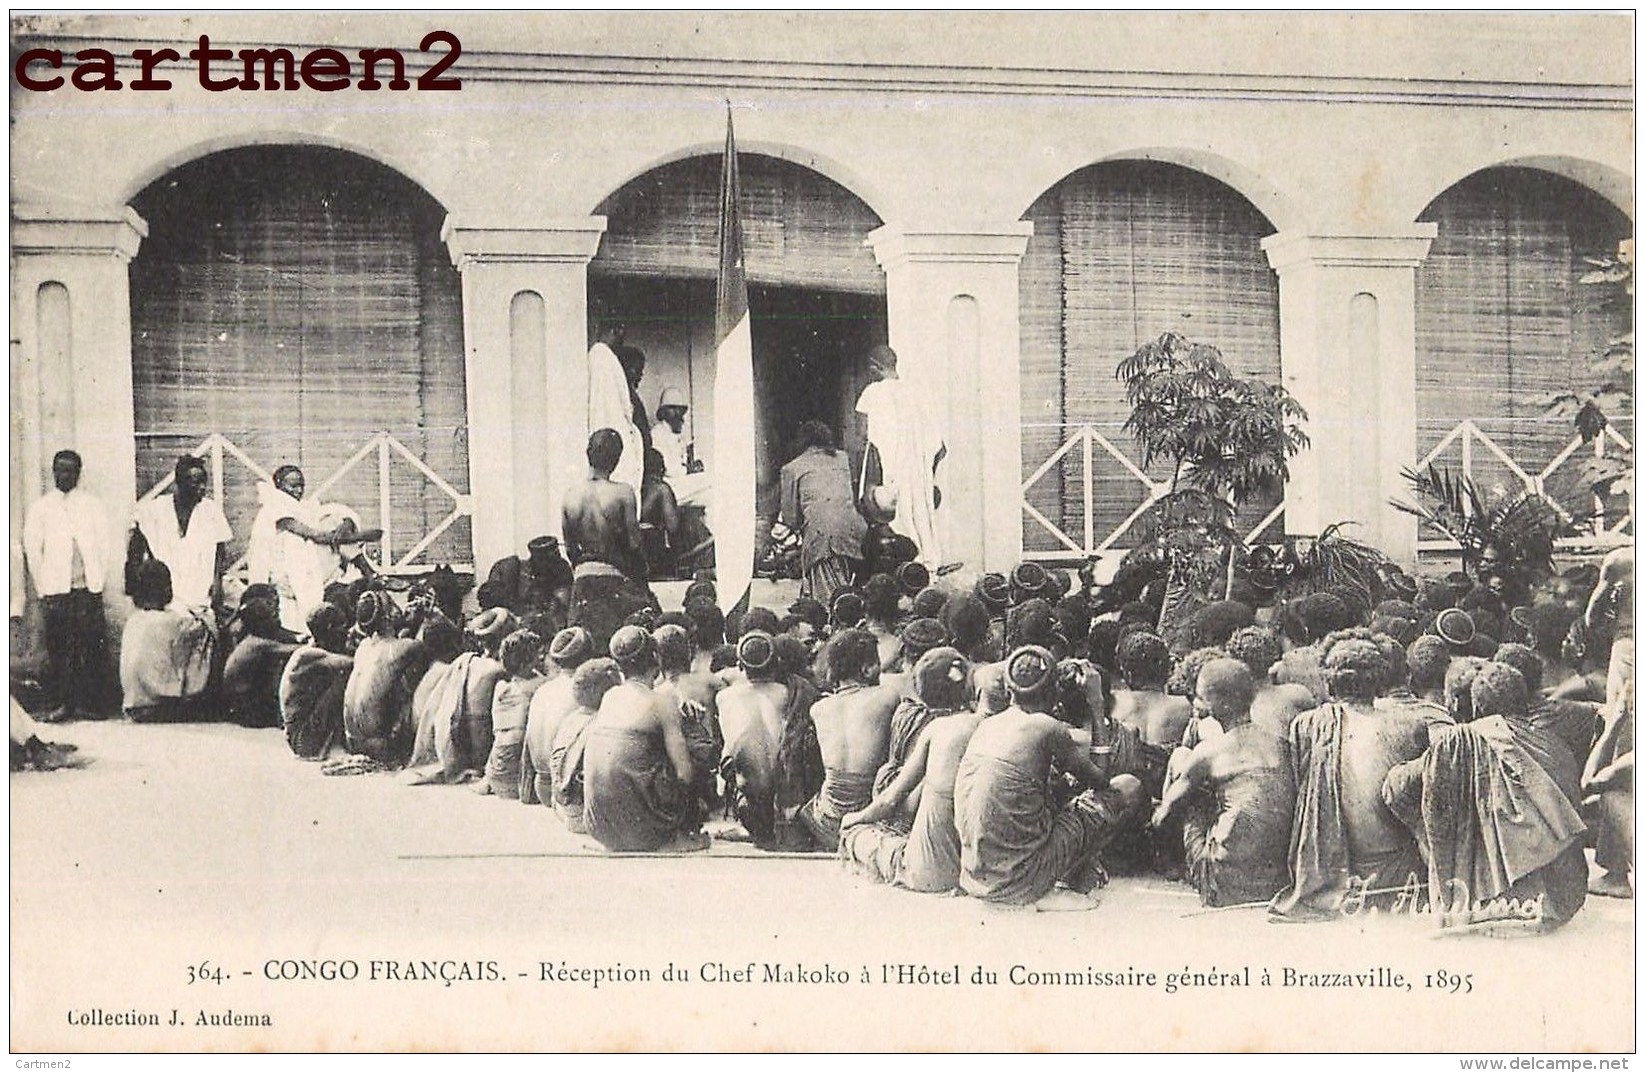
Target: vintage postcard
[(753, 531)]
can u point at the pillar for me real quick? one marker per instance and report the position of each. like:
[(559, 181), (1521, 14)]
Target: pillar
[(951, 307), (525, 345), (71, 383), (1348, 351)]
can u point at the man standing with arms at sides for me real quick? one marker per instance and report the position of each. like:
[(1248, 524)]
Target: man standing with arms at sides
[(601, 527), (65, 543), (186, 531), (611, 403)]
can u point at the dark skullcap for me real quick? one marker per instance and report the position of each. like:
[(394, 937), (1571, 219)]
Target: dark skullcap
[(571, 646), (673, 646), (1455, 627), (593, 680), (698, 589), (756, 651), (929, 602), (994, 591), (1030, 671), (1499, 689), (519, 651), (848, 609), (1057, 584), (493, 623), (922, 635), (912, 578), (1427, 657), (631, 644), (1028, 579), (940, 679)]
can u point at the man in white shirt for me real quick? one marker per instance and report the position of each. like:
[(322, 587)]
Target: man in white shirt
[(65, 543), (187, 532)]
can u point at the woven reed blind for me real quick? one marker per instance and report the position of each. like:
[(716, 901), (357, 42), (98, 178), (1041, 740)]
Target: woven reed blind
[(1144, 248), (799, 228), (1501, 319), (296, 301)]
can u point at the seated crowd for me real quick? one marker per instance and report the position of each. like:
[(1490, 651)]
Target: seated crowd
[(1017, 740)]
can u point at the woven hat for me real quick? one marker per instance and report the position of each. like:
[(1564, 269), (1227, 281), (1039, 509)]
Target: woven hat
[(495, 622), (912, 577), (632, 643), (940, 678), (1028, 579), (848, 609), (1455, 626), (571, 646), (1029, 671), (591, 681), (755, 651), (923, 634), (994, 590)]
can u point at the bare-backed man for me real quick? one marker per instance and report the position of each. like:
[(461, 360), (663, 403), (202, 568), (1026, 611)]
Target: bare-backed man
[(601, 526), (853, 733)]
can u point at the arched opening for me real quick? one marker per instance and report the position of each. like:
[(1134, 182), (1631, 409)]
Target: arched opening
[(1122, 252), (816, 300), (293, 304), (1503, 320)]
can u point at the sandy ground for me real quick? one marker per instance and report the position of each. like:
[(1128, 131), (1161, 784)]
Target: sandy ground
[(210, 846)]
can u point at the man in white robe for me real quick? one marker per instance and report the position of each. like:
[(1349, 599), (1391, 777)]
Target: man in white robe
[(910, 449), (611, 405)]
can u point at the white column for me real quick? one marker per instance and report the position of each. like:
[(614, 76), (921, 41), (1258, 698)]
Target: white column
[(526, 425), (71, 363), (1348, 350), (951, 306)]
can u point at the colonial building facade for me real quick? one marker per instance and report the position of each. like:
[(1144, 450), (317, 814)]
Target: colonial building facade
[(1389, 214)]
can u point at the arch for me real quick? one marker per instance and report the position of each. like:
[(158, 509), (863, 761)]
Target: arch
[(1276, 205), (1608, 182), (852, 180), (295, 301), (146, 176)]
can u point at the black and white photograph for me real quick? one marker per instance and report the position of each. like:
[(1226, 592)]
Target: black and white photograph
[(756, 531)]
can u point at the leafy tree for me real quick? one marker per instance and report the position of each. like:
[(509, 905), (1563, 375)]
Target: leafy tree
[(1228, 440)]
